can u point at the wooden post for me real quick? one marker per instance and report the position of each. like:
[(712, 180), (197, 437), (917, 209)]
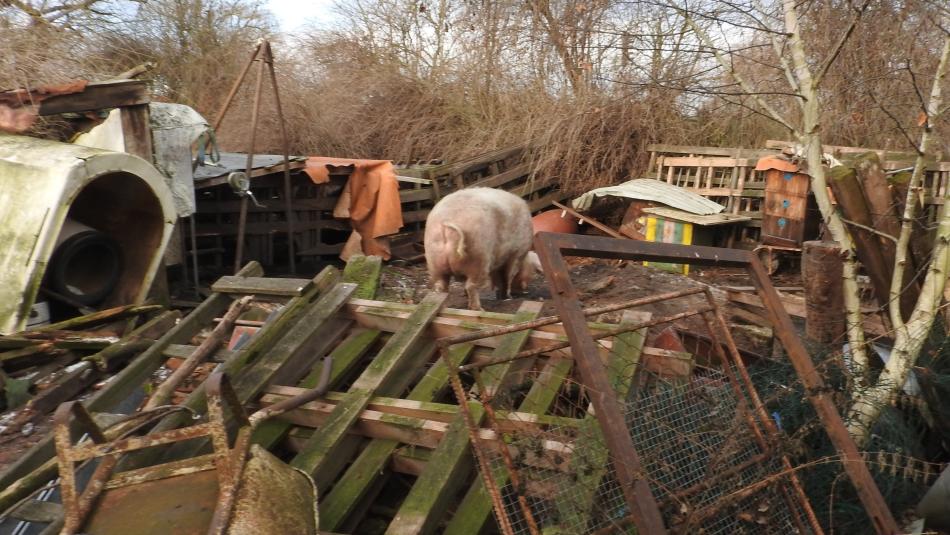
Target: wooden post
[(824, 302), (847, 190), (885, 219)]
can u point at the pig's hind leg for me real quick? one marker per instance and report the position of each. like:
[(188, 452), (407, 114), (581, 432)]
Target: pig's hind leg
[(500, 282)]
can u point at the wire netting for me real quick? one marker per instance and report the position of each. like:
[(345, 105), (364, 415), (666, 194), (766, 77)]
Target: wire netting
[(702, 452)]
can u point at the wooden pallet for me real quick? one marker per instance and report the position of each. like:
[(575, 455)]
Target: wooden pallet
[(389, 410)]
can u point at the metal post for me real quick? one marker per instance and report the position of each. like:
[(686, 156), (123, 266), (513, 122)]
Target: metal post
[(640, 500), (288, 198), (242, 219)]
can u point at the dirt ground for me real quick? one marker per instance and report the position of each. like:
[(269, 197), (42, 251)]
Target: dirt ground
[(598, 282)]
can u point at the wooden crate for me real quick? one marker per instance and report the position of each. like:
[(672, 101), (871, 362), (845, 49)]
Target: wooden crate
[(789, 213)]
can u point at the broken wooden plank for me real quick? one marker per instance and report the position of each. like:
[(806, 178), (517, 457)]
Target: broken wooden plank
[(325, 444), (364, 271), (451, 463), (123, 384), (344, 357), (591, 221), (262, 286)]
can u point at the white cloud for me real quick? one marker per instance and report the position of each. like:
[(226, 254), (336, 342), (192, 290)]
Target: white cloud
[(294, 14)]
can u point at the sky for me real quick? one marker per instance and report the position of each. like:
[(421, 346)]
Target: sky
[(292, 14)]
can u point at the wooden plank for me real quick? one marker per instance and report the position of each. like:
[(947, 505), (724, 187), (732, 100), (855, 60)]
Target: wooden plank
[(262, 285), (451, 463), (325, 444), (98, 96), (590, 467), (353, 487), (415, 195), (593, 222), (364, 271), (794, 304), (388, 319), (129, 379), (425, 410), (499, 180), (704, 220), (693, 161), (344, 358), (414, 180), (553, 455), (709, 151)]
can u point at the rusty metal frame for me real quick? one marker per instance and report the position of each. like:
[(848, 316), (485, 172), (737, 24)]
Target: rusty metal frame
[(229, 463), (552, 248)]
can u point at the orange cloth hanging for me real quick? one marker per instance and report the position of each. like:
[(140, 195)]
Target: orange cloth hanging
[(370, 200)]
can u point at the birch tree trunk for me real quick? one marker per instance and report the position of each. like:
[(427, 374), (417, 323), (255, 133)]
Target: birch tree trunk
[(810, 138), (909, 336)]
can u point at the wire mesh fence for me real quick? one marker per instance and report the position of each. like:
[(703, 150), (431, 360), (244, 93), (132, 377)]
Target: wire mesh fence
[(703, 455)]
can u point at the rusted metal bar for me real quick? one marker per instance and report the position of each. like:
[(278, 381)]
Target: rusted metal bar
[(853, 464), (236, 86), (210, 344), (550, 320), (817, 392), (290, 404), (637, 494), (484, 467), (285, 144), (242, 218), (74, 512), (561, 345), (763, 415), (486, 398)]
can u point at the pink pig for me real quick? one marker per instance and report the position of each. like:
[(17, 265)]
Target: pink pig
[(480, 234)]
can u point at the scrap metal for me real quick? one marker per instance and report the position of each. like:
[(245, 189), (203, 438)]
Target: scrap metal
[(552, 248)]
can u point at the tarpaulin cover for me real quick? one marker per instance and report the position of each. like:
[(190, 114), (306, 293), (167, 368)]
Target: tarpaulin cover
[(647, 189), (370, 200)]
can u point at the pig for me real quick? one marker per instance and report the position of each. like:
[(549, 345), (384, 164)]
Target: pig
[(482, 235), (530, 266)]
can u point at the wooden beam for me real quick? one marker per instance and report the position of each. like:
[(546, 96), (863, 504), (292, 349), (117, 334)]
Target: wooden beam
[(98, 96), (324, 445), (262, 285), (451, 462)]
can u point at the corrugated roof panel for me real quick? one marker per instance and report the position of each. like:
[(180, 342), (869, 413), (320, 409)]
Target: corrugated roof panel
[(648, 189)]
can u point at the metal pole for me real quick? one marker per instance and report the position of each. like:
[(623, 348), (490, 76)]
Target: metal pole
[(235, 87), (242, 219), (550, 320), (288, 199)]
